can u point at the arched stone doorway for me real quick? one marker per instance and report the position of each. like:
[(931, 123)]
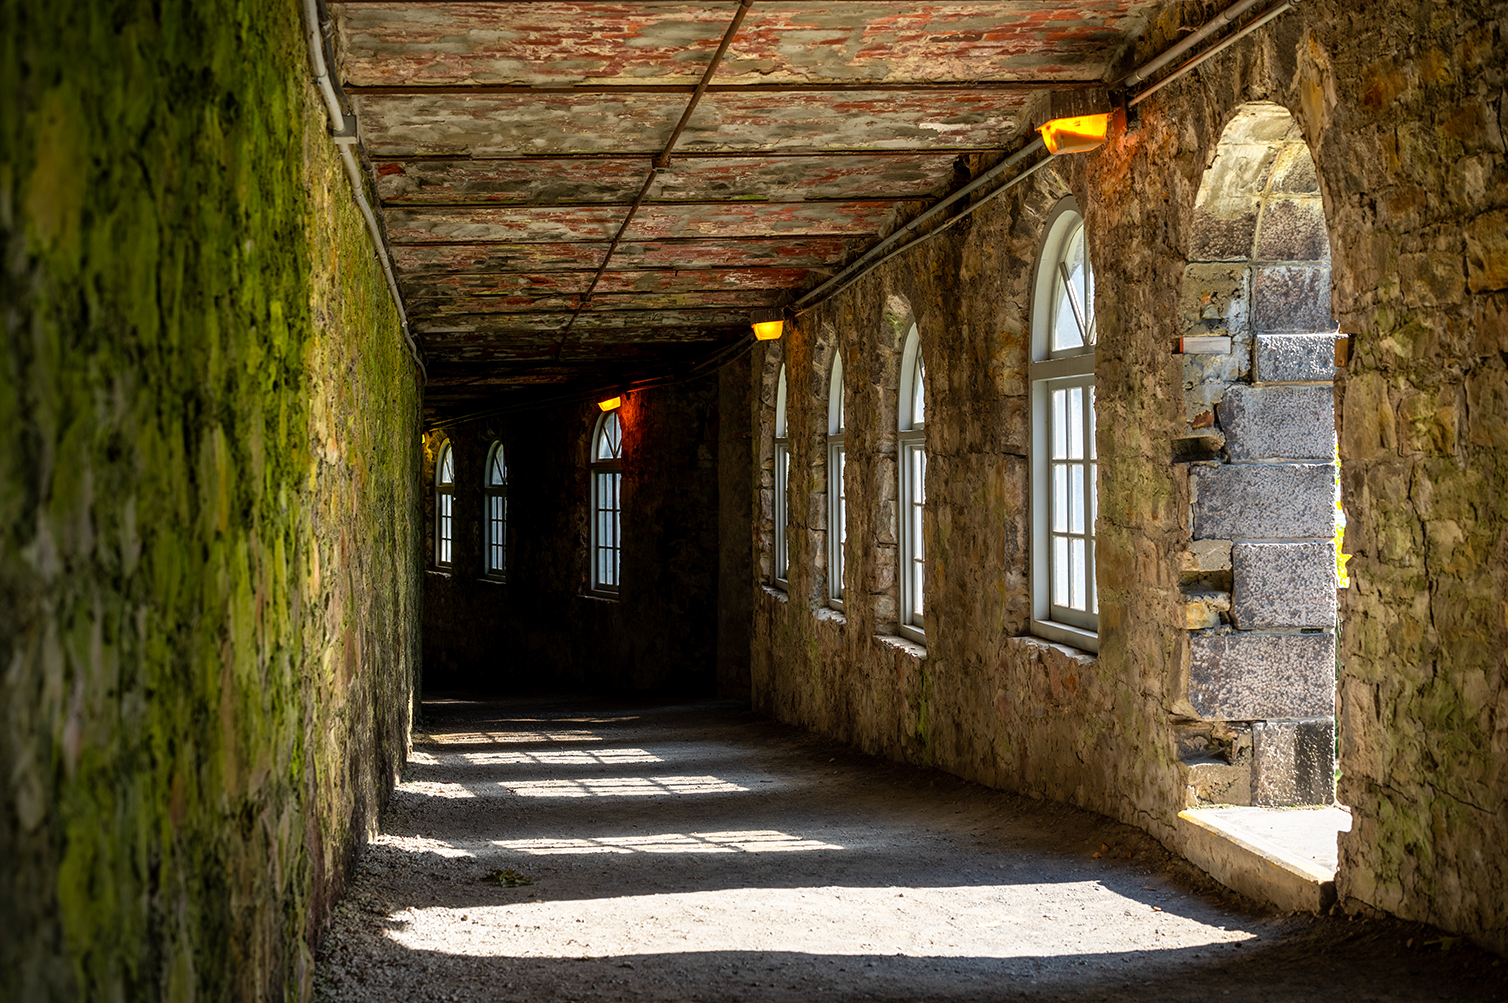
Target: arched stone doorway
[(1260, 573)]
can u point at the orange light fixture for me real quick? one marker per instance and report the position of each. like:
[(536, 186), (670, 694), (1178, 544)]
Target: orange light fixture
[(611, 404), (768, 330), (1075, 135)]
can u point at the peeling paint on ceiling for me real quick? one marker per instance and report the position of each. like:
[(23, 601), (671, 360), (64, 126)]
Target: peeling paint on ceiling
[(509, 139)]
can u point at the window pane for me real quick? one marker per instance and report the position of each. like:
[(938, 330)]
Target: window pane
[(607, 529), (1076, 423), (610, 439), (1060, 497), (918, 573), (1059, 424), (1077, 574), (1065, 326), (1087, 299), (1060, 570), (1076, 498), (919, 395)]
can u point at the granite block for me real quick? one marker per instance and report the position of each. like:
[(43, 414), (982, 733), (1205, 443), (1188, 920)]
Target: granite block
[(1283, 584), (1257, 677), (1293, 230), (1295, 174), (1287, 423), (1295, 358), (1292, 298), (1264, 501), (1293, 762), (1220, 237)]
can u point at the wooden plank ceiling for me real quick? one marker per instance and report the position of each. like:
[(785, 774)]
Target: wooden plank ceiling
[(509, 139)]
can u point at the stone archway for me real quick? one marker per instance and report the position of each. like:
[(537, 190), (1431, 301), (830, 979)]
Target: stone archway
[(1260, 572)]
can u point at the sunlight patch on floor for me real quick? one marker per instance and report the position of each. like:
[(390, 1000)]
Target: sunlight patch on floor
[(753, 841), (421, 844), (513, 737), (621, 786), (971, 921), (564, 757), (434, 789)]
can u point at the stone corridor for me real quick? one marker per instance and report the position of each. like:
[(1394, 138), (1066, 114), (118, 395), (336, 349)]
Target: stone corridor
[(699, 852)]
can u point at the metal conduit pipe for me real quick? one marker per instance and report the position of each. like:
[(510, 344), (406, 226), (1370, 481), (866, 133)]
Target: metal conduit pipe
[(1212, 50), (877, 255), (1215, 23), (345, 138), (871, 259)]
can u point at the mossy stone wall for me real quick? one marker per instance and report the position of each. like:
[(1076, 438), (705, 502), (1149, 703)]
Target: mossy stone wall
[(209, 593)]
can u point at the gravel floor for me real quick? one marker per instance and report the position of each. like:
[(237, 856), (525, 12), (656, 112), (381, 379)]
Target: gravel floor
[(699, 852)]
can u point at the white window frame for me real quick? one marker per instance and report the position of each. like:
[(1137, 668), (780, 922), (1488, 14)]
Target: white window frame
[(606, 476), (495, 494), (781, 569), (1064, 369), (445, 497), (912, 448), (837, 495)]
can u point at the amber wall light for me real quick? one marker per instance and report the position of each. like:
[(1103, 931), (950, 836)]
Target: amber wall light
[(1079, 134), (611, 404), (768, 324)]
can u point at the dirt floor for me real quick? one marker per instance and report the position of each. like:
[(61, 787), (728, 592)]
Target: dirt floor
[(699, 852)]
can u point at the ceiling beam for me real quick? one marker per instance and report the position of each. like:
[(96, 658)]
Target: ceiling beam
[(834, 87)]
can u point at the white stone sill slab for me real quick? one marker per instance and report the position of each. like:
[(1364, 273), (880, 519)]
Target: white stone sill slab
[(1273, 855)]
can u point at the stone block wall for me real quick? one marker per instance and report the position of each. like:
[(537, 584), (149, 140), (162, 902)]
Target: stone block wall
[(1262, 417), (208, 512), (540, 630), (981, 698), (1401, 112)]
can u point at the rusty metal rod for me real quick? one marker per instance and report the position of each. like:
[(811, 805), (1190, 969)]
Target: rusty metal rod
[(658, 164), (663, 160)]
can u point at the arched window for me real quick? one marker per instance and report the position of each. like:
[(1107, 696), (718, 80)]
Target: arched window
[(445, 493), (607, 487), (782, 485), (1065, 605), (913, 494), (837, 496), (496, 490)]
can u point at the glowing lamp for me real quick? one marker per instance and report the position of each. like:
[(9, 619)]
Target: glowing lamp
[(611, 404), (768, 324), (1079, 134)]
